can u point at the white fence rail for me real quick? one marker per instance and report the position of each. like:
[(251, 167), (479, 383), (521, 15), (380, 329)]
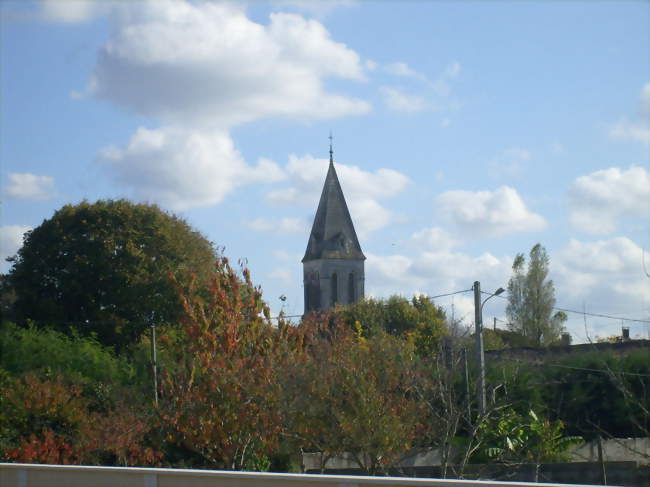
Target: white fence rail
[(28, 475)]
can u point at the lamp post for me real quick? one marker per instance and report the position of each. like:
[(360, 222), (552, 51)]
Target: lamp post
[(478, 323)]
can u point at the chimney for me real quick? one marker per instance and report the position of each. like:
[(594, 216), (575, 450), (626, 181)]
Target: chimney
[(626, 333)]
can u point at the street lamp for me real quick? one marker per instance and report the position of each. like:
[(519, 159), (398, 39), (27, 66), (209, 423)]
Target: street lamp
[(478, 323)]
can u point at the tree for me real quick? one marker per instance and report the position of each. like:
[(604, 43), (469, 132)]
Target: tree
[(531, 299), (347, 394), (104, 268), (219, 402), (418, 318)]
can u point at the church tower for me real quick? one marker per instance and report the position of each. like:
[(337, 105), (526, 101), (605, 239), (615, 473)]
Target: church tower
[(333, 265)]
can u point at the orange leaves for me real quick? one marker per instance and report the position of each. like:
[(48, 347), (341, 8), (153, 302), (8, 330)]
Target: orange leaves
[(45, 448), (49, 421), (222, 403)]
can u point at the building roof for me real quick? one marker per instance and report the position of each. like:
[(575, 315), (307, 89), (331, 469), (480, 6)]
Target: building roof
[(332, 234)]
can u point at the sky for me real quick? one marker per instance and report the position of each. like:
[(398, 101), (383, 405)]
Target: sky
[(463, 133)]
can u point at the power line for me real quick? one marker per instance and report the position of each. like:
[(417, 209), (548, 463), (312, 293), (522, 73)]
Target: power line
[(449, 294), (597, 315)]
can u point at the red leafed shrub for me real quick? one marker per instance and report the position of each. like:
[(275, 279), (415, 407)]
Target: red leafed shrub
[(42, 420), (49, 421), (221, 400), (45, 448)]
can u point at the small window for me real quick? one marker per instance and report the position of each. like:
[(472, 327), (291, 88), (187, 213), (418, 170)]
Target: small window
[(351, 296), (335, 289)]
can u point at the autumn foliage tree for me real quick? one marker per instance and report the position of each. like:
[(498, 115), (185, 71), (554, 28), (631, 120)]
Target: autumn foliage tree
[(219, 402), (345, 393)]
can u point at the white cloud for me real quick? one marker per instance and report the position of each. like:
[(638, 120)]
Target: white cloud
[(200, 69), (370, 65), (437, 272), (639, 127), (207, 63), (399, 101), (401, 69), (434, 239), (283, 225), (606, 275), (435, 96), (29, 186), (442, 84), (489, 213), (72, 11), (638, 131), (458, 270), (11, 239), (182, 169), (362, 190), (391, 274), (601, 198)]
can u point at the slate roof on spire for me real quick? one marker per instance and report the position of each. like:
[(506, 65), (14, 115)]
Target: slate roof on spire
[(332, 234)]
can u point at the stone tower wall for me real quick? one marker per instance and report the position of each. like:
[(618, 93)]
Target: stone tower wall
[(324, 270)]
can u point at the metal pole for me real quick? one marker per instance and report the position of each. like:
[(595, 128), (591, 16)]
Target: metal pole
[(154, 363), (478, 321), (603, 471), (468, 396)]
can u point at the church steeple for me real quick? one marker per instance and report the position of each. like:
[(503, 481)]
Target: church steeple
[(332, 234), (333, 263)]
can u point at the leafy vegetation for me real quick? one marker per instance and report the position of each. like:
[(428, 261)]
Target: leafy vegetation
[(531, 298), (49, 352), (377, 381), (103, 268)]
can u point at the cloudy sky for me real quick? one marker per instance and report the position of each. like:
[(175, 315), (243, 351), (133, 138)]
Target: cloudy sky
[(464, 133)]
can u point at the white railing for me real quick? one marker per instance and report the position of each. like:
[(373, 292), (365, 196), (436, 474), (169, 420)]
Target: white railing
[(29, 475)]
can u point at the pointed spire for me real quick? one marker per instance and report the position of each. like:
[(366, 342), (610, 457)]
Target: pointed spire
[(332, 234)]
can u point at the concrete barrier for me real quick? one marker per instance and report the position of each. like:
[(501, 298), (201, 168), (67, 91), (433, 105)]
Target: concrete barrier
[(28, 475)]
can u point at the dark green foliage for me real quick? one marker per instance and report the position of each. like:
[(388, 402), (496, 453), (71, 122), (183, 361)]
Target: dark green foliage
[(593, 393), (46, 351), (104, 268)]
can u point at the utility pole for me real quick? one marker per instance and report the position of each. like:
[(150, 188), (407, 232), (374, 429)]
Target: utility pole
[(478, 323), (154, 363)]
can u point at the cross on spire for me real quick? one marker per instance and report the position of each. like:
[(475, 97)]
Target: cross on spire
[(331, 151)]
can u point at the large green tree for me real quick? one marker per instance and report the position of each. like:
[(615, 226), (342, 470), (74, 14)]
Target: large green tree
[(104, 268), (531, 300)]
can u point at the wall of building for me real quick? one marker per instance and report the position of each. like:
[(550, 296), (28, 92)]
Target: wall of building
[(325, 269)]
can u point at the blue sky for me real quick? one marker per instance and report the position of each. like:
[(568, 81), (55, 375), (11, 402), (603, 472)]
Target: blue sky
[(464, 133)]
